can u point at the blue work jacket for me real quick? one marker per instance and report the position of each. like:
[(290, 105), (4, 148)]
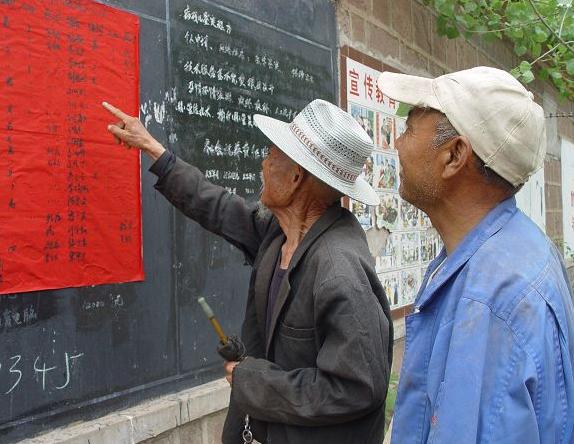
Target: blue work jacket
[(489, 348)]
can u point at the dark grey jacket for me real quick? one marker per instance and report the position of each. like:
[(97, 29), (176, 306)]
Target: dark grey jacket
[(322, 375)]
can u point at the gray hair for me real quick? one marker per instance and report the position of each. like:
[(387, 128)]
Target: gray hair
[(446, 131)]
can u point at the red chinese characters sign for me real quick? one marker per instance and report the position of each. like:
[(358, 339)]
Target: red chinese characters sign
[(70, 204), (363, 89)]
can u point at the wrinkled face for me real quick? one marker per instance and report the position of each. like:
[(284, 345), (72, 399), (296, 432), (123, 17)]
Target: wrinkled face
[(278, 171), (420, 173)]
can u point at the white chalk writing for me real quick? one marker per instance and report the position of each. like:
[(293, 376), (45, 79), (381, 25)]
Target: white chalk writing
[(235, 117), (233, 51), (19, 369), (200, 40), (228, 76), (193, 109), (268, 62), (213, 92), (16, 318), (297, 73), (236, 149), (285, 112), (206, 19)]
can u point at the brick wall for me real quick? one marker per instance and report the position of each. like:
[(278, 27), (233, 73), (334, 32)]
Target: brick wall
[(402, 34)]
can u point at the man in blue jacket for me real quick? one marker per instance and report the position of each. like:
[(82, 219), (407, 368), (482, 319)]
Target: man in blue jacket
[(489, 347)]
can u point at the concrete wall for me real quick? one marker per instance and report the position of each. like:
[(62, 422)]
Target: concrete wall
[(192, 416)]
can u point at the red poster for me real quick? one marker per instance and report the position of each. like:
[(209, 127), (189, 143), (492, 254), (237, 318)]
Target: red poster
[(70, 200)]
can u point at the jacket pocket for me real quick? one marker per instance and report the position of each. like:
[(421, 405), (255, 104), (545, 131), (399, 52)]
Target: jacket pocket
[(296, 333), (435, 417)]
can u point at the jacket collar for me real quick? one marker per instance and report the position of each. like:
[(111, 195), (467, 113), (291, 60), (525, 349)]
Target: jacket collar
[(263, 279), (486, 228), (267, 267)]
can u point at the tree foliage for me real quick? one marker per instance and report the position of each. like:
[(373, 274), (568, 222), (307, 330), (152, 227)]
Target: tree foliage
[(542, 32)]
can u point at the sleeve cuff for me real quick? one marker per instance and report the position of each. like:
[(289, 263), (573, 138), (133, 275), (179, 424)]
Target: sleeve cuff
[(162, 166)]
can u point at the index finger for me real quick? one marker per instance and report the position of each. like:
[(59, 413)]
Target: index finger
[(115, 111)]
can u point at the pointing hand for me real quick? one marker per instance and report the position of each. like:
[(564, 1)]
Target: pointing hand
[(131, 132)]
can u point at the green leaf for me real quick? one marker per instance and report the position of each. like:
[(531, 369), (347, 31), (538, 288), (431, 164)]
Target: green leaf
[(470, 6), (403, 110), (522, 27), (441, 24), (445, 7), (452, 32), (515, 33), (524, 66), (527, 76), (493, 23), (518, 10), (520, 49), (561, 50), (535, 49), (539, 35), (469, 21), (516, 72)]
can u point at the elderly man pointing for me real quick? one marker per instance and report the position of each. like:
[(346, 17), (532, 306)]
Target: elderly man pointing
[(317, 326)]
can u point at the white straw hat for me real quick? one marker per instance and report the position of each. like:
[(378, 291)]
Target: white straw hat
[(328, 143), (489, 106)]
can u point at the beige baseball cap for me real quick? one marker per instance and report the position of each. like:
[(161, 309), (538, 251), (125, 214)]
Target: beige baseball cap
[(489, 106)]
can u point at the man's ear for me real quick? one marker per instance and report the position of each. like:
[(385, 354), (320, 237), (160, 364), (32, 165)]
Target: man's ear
[(456, 155), (298, 176)]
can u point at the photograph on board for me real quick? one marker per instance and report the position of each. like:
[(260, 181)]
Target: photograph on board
[(365, 117), (410, 217), (389, 256), (368, 169), (385, 131), (385, 172), (390, 282), (410, 248), (431, 245), (363, 214), (409, 285), (387, 212)]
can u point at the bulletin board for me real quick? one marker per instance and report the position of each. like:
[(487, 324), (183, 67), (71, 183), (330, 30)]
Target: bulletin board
[(400, 236)]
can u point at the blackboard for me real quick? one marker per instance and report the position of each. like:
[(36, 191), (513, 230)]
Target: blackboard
[(205, 68)]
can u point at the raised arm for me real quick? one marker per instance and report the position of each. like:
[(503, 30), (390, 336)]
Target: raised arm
[(212, 206)]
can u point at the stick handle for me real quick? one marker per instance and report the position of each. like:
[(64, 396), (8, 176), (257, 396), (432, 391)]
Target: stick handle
[(216, 326), (218, 330)]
